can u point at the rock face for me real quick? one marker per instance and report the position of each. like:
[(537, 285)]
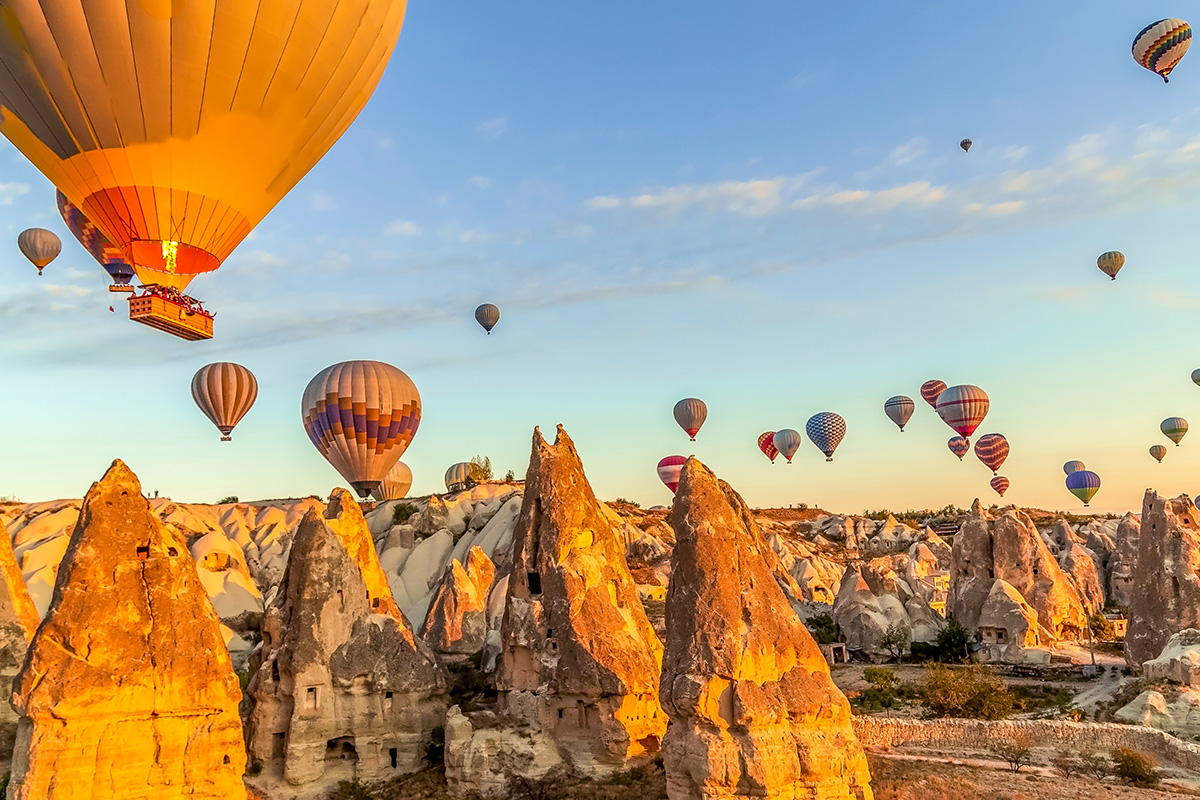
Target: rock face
[(128, 690), (1166, 585), (1082, 566), (868, 604), (753, 710), (1008, 627), (1179, 661), (1177, 714), (1009, 548), (457, 621), (580, 661), (18, 622), (342, 687), (1122, 564)]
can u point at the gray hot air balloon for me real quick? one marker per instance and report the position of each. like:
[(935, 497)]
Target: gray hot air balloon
[(40, 246), (224, 392), (690, 413), (487, 315), (899, 410)]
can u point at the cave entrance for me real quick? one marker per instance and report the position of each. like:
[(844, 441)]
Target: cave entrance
[(341, 749)]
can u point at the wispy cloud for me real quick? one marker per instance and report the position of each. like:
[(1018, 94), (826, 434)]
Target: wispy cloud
[(909, 151), (9, 192), (402, 227), (494, 127), (321, 202), (480, 182)]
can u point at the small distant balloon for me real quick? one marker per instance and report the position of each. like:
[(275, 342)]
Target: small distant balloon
[(965, 144), (826, 430), (669, 470), (899, 410), (1000, 484), (1073, 466), (1083, 484), (690, 413), (397, 483), (1161, 45), (766, 443), (931, 390), (786, 441), (487, 315), (1158, 451), (1174, 428), (1110, 263), (963, 408), (1196, 376), (40, 246), (959, 446), (992, 450), (458, 475), (224, 392)]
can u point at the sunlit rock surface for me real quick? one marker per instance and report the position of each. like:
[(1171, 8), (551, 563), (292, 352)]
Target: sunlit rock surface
[(1166, 588)]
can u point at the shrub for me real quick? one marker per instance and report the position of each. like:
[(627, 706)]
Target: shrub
[(1136, 769), (402, 512), (874, 699), (1096, 765), (895, 642), (480, 469), (881, 678), (621, 501), (509, 477), (953, 640), (1067, 764), (1017, 751), (823, 629), (233, 498), (1102, 627), (4, 784), (351, 790), (973, 692)]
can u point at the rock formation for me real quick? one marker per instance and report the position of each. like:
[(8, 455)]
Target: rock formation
[(1122, 564), (580, 660), (18, 622), (1166, 586), (753, 710), (457, 625), (1178, 662), (128, 690), (869, 604), (1008, 627), (1009, 548), (1082, 567), (343, 689)]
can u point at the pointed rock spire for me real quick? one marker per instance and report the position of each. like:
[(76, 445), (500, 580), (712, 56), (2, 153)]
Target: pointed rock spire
[(128, 690)]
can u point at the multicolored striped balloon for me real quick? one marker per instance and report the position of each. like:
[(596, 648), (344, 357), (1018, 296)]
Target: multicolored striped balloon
[(669, 470), (1174, 428), (963, 408), (786, 441), (825, 430), (959, 446), (1161, 45), (1000, 484), (458, 475), (931, 390), (224, 392), (766, 443), (690, 413), (397, 483), (107, 254), (992, 450), (361, 415), (1158, 451), (1083, 484), (1110, 263), (899, 410), (1073, 466)]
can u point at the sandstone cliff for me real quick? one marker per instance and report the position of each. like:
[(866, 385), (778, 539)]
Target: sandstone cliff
[(456, 625), (128, 690), (1166, 588), (753, 710), (18, 622)]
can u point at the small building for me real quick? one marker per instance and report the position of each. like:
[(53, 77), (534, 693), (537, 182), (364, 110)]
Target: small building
[(835, 653)]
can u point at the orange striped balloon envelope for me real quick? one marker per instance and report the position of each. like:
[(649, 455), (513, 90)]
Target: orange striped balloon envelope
[(963, 408), (930, 390), (397, 483), (992, 450), (224, 392), (176, 125), (361, 415), (1000, 484)]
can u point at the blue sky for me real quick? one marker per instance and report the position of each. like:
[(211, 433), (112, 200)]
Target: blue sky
[(762, 205)]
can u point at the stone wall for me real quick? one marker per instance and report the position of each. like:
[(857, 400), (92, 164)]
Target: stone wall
[(981, 734)]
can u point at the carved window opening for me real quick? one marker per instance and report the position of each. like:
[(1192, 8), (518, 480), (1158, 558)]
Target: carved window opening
[(266, 637), (275, 671), (341, 600), (341, 749), (278, 745), (393, 755), (143, 552), (310, 697), (225, 760), (387, 701), (535, 584), (171, 551)]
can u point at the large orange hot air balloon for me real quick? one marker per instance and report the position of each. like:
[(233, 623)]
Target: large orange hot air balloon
[(176, 126)]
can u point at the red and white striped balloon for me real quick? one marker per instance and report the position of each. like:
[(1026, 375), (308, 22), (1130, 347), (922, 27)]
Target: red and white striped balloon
[(669, 470), (963, 408)]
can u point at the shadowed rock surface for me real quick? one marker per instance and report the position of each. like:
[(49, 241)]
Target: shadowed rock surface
[(19, 620), (456, 625), (753, 710), (128, 690), (343, 689), (1166, 586)]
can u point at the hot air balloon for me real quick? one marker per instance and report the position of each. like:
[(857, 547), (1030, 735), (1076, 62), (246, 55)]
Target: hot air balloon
[(786, 441), (992, 450), (931, 390), (1174, 428), (1196, 376), (766, 443), (107, 254), (965, 144), (458, 476), (487, 315), (1158, 451), (1110, 263), (1161, 45), (176, 126), (224, 392), (397, 483), (361, 415), (959, 446), (899, 410), (963, 408), (1073, 466), (39, 245), (1000, 484), (1083, 484), (825, 430), (690, 413), (669, 469)]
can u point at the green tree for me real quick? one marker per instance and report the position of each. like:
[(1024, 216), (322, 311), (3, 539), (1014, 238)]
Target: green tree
[(972, 691), (1017, 751), (895, 641), (823, 629), (953, 640), (480, 469), (1102, 627), (881, 678), (1134, 768)]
